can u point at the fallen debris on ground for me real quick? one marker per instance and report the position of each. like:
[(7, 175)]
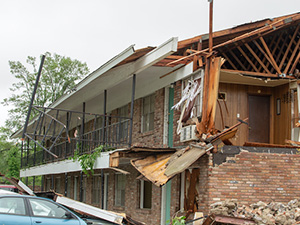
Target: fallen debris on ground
[(260, 212)]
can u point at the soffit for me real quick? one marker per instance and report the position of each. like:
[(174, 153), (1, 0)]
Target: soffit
[(238, 78)]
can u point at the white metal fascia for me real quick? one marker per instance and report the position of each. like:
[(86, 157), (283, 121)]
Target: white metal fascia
[(65, 166), (101, 70), (165, 49), (91, 210)]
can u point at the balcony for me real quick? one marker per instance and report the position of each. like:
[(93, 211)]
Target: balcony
[(48, 139)]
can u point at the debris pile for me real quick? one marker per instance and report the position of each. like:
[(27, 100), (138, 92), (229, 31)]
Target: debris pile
[(260, 212)]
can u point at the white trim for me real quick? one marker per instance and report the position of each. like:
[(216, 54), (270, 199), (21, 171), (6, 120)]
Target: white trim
[(142, 184), (65, 166), (101, 70), (91, 210), (165, 49)]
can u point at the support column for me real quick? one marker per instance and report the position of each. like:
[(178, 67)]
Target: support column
[(131, 109)]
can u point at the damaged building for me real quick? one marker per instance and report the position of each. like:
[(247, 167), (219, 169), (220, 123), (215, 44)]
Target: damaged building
[(183, 125)]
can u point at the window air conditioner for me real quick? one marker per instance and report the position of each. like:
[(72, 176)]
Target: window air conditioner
[(188, 133)]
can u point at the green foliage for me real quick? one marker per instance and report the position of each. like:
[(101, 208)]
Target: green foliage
[(178, 220), (87, 161), (13, 162), (59, 76), (10, 156)]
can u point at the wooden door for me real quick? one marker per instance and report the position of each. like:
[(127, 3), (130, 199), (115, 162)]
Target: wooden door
[(259, 118)]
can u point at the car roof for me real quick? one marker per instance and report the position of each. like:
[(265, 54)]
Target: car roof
[(5, 192)]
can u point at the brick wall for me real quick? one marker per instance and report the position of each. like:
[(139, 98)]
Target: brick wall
[(254, 176), (132, 195)]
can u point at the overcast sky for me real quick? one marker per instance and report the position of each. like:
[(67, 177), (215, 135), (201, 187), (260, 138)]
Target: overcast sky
[(94, 31)]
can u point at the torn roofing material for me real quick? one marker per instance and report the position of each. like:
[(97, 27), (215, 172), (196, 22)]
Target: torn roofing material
[(160, 168)]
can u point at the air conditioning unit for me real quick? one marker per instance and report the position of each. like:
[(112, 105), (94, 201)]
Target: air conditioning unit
[(188, 133)]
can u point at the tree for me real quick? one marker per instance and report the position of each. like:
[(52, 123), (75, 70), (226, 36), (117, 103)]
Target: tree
[(59, 75)]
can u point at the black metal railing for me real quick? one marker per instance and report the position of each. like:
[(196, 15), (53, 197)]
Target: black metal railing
[(73, 138)]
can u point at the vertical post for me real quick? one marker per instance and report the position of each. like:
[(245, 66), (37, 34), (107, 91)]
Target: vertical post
[(103, 127), (33, 183), (211, 2), (42, 183), (34, 151), (67, 136), (82, 126), (66, 184), (104, 116), (33, 95), (131, 109), (52, 182), (27, 153), (80, 187), (22, 146)]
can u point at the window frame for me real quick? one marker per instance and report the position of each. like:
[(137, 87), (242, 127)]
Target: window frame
[(142, 194), (147, 115), (26, 213), (96, 190), (118, 202)]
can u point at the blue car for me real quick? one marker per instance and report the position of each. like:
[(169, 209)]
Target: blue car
[(29, 210)]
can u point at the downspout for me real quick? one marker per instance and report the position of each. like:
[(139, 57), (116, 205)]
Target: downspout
[(170, 144)]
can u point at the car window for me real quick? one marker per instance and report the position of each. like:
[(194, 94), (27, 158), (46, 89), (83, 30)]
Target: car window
[(41, 207), (12, 205)]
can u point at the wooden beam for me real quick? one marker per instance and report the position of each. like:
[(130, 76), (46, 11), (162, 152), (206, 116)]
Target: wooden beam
[(257, 58), (288, 48), (281, 49), (273, 25), (270, 55), (235, 30), (292, 57), (258, 74), (238, 60), (210, 42), (230, 62), (247, 58), (295, 64)]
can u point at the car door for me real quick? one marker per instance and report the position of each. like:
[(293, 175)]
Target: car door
[(13, 211), (45, 212)]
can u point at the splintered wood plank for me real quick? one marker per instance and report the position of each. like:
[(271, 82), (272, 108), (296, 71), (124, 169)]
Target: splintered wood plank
[(292, 57), (270, 55), (247, 58), (230, 62), (257, 58), (288, 48), (214, 74), (184, 161)]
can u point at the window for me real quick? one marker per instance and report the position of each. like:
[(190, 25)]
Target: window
[(123, 122), (48, 184), (96, 189), (197, 108), (57, 185), (84, 180), (75, 188), (46, 208), (120, 190), (145, 195), (12, 206), (105, 191), (148, 113), (69, 187)]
